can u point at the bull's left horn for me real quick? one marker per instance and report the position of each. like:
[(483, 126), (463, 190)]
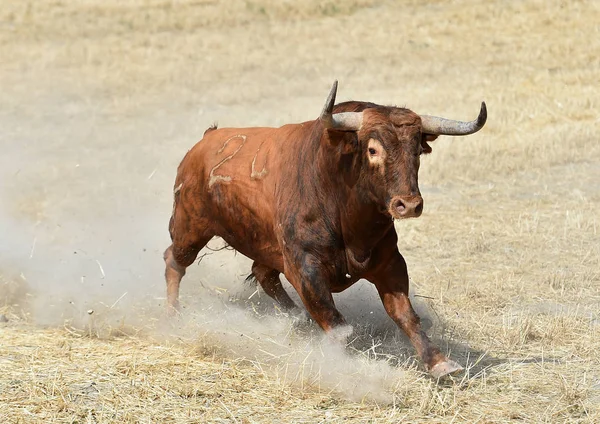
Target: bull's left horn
[(443, 126), (345, 121)]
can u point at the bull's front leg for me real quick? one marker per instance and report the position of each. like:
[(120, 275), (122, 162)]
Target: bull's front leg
[(310, 277), (391, 279)]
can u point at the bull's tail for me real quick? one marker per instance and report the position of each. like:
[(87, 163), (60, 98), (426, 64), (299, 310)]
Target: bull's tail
[(211, 128)]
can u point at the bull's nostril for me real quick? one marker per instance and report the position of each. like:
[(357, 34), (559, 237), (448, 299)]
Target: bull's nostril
[(400, 207), (406, 207), (419, 208)]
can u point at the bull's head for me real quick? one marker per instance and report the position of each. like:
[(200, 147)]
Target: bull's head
[(389, 144)]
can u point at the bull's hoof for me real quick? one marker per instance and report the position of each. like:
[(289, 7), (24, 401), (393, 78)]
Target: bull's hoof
[(298, 314), (341, 333), (173, 312), (442, 369)]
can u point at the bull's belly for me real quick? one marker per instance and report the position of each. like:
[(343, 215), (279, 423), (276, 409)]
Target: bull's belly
[(244, 220)]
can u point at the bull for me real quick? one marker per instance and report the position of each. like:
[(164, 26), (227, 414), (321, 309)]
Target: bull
[(315, 201)]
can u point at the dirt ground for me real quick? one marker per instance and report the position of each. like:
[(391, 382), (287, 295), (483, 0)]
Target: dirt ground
[(99, 102)]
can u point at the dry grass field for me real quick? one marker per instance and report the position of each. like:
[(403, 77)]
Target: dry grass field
[(99, 102)]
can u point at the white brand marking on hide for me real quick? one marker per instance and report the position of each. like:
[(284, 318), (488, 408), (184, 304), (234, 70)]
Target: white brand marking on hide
[(212, 178), (254, 174)]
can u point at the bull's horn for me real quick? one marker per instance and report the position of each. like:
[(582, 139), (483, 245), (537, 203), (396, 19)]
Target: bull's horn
[(346, 121), (443, 126)]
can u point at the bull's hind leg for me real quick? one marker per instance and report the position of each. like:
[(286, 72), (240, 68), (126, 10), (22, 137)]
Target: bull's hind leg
[(181, 254), (271, 284)]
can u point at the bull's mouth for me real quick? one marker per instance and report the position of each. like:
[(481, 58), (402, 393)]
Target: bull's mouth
[(386, 211), (393, 213)]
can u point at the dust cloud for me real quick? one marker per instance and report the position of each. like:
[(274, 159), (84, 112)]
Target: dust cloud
[(86, 196)]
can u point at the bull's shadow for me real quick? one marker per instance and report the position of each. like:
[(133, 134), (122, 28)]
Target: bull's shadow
[(376, 336)]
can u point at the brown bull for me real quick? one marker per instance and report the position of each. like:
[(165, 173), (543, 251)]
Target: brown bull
[(316, 202)]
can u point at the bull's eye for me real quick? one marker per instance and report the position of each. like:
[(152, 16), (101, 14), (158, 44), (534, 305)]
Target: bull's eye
[(376, 155)]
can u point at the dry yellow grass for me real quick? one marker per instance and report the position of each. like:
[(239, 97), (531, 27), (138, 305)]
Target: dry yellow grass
[(507, 252)]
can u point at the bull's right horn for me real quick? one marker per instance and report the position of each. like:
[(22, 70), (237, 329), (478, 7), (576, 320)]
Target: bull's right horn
[(443, 126), (345, 121)]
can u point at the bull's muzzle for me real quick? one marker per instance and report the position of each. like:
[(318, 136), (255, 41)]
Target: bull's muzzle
[(406, 207)]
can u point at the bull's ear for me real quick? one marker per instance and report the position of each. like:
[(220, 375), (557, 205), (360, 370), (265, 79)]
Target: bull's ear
[(426, 138), (345, 140)]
